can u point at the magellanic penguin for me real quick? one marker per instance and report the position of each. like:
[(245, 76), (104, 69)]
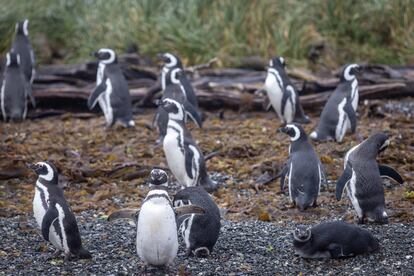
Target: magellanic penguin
[(111, 91), (199, 231), (172, 62), (53, 214), (362, 178), (339, 112), (184, 157), (15, 89), (21, 45), (282, 94), (173, 91), (303, 169), (157, 238), (336, 239)]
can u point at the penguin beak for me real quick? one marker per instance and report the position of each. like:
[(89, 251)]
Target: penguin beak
[(161, 57), (282, 129), (158, 102), (95, 54), (34, 167)]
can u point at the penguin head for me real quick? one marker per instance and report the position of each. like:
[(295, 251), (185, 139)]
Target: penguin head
[(302, 233), (380, 140), (105, 55), (173, 76), (45, 170), (170, 60), (174, 109), (22, 27), (349, 72), (158, 177), (295, 131), (277, 62), (12, 59)]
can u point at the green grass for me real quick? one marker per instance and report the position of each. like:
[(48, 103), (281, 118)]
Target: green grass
[(376, 31)]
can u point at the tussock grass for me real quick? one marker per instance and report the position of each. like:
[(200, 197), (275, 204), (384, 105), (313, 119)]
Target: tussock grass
[(378, 31)]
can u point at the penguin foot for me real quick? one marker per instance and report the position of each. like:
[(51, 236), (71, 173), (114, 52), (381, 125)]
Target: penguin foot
[(201, 252), (54, 255), (68, 257)]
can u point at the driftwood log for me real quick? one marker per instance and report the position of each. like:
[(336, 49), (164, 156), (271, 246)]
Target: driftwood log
[(217, 88)]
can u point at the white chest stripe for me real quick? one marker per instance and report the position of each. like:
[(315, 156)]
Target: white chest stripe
[(196, 166), (61, 218), (276, 73), (320, 178), (187, 231), (3, 108), (290, 182), (351, 188), (341, 125)]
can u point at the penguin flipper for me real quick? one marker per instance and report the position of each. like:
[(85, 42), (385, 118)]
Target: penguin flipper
[(283, 176), (188, 209), (124, 214), (189, 156), (286, 96), (191, 111), (343, 181), (93, 98), (50, 216), (351, 115), (387, 171), (30, 94)]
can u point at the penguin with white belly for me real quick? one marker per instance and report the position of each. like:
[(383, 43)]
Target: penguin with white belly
[(157, 238), (111, 91), (15, 89), (200, 231), (184, 157), (339, 112), (303, 169), (282, 94), (173, 91), (53, 214), (362, 179)]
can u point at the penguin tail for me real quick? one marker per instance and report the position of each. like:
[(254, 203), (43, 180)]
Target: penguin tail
[(84, 254)]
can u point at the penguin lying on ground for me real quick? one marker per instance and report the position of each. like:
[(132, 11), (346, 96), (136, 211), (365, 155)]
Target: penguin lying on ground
[(362, 178), (157, 239), (282, 94), (339, 112), (21, 45), (15, 89), (53, 214), (303, 168), (184, 157), (336, 239), (111, 91), (200, 231), (173, 91)]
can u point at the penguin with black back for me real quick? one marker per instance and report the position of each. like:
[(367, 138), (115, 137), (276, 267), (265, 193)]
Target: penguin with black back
[(336, 239), (157, 238), (303, 169), (15, 89), (173, 91), (339, 112), (282, 94), (53, 215), (199, 231), (111, 91), (184, 157), (362, 179)]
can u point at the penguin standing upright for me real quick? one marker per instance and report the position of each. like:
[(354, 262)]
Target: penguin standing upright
[(173, 91), (184, 157), (111, 91), (200, 231), (172, 62), (21, 45), (53, 214), (157, 239), (15, 89), (282, 94), (303, 168), (339, 112), (362, 178), (336, 239)]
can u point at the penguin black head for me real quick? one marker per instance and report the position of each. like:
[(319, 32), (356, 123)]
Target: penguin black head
[(302, 233), (349, 72), (170, 60), (45, 170), (12, 59), (380, 140), (22, 27), (295, 131), (173, 76), (106, 55), (158, 177), (173, 108), (277, 62)]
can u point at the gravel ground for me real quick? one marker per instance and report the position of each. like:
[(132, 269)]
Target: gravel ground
[(247, 248)]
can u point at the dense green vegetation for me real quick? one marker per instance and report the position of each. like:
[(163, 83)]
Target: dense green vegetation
[(378, 31)]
